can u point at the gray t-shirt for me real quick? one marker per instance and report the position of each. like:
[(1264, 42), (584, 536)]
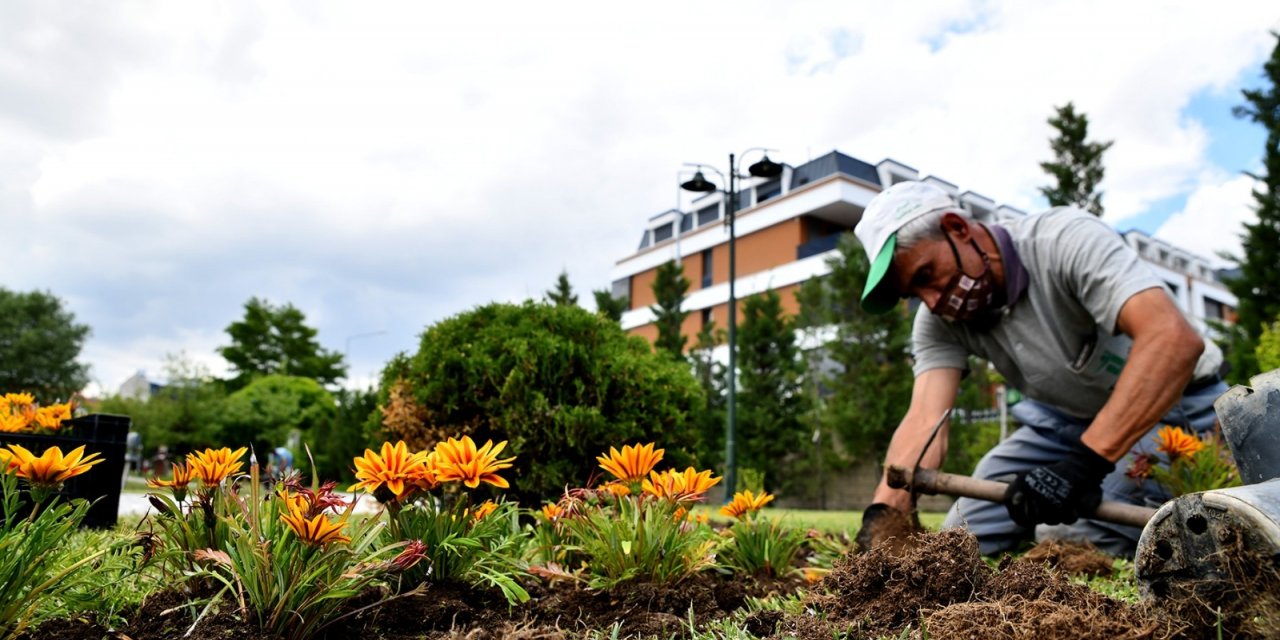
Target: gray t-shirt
[(1058, 342)]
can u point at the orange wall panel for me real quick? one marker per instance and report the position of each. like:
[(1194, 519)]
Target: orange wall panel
[(642, 289)]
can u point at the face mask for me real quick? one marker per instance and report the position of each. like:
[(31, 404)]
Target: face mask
[(964, 297)]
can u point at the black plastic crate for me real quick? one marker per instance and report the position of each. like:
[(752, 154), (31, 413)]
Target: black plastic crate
[(100, 433)]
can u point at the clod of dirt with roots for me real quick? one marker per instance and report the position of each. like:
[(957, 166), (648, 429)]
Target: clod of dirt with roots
[(1072, 558)]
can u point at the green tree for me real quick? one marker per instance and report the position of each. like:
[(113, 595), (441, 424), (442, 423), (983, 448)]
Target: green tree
[(608, 305), (772, 403), (269, 409), (273, 340), (1258, 285), (1268, 351), (39, 343), (334, 442), (560, 384), (710, 374), (864, 367), (563, 293), (669, 289), (1077, 164)]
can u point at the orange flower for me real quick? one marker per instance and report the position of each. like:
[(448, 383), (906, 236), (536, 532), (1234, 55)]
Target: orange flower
[(12, 422), (632, 463), (51, 469), (744, 502), (212, 466), (1177, 443), (422, 476), (7, 461), (460, 460), (814, 574), (487, 507), (181, 478), (552, 512), (19, 399), (680, 486), (616, 489), (316, 531), (52, 416), (393, 469)]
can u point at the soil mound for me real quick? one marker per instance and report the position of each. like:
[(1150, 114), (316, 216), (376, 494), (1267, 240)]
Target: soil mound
[(941, 587), (1074, 558)]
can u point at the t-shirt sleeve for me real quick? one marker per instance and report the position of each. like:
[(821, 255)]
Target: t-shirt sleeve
[(934, 345), (1094, 265)]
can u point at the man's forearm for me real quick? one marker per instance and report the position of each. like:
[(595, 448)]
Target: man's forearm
[(1153, 379), (904, 449)]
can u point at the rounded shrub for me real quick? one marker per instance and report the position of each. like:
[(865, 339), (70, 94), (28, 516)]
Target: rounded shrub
[(559, 383)]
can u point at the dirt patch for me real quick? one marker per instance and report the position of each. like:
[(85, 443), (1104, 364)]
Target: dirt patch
[(942, 585), (1074, 558), (1244, 600), (893, 529), (71, 629)]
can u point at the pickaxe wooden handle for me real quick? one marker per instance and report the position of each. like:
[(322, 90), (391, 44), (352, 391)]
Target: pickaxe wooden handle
[(933, 482)]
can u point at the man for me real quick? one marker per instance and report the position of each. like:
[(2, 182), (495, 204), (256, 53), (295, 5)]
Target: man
[(1069, 315)]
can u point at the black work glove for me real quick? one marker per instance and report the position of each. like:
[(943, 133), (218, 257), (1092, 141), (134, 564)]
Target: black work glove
[(881, 522), (1059, 493)]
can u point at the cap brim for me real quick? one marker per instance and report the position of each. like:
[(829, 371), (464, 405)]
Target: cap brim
[(879, 295)]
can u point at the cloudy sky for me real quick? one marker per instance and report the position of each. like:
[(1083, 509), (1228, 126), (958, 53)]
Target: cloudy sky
[(385, 165)]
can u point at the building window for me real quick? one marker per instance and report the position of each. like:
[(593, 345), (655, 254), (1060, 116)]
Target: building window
[(707, 215), (1180, 264), (1142, 248), (662, 233), (1176, 296), (1214, 310), (770, 189), (706, 268), (706, 316), (1164, 256)]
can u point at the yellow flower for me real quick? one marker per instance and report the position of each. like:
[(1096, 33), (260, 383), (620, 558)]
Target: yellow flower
[(814, 574), (632, 463), (19, 398), (679, 486), (12, 422), (422, 475), (552, 512), (487, 507), (744, 502), (460, 460), (1177, 443), (181, 478), (51, 469), (52, 416), (393, 469), (212, 466), (617, 489), (316, 531), (7, 461)]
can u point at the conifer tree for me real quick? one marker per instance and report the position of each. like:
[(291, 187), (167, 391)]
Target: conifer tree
[(669, 288), (711, 377), (1258, 285), (867, 376), (562, 295), (608, 305), (1077, 165), (772, 403)]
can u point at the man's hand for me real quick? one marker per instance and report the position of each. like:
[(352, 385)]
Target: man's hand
[(881, 522), (1059, 493)]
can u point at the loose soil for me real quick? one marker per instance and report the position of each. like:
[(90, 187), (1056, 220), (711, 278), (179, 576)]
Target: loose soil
[(1073, 558), (894, 530)]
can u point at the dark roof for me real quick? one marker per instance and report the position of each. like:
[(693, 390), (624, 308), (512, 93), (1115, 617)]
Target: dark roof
[(834, 162)]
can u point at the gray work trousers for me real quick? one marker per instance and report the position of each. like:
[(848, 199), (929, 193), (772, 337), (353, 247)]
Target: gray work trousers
[(1044, 438)]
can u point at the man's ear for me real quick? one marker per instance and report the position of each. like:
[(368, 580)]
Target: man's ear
[(956, 226)]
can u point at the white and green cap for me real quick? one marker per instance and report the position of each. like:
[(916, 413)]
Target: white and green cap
[(878, 233)]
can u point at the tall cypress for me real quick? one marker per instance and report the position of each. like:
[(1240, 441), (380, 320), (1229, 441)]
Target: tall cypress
[(772, 403), (1077, 165), (562, 295), (1258, 285), (669, 288)]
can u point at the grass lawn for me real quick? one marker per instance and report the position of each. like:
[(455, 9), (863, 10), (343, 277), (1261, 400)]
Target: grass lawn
[(828, 521)]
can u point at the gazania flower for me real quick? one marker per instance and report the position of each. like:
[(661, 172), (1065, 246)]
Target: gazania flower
[(814, 574), (392, 469), (12, 422), (422, 476), (317, 531), (1177, 443), (632, 463), (413, 553), (744, 502), (7, 461), (212, 466), (303, 500), (680, 486), (1140, 468), (52, 416), (181, 478), (51, 469), (552, 512), (487, 507), (460, 460), (616, 489), (19, 399)]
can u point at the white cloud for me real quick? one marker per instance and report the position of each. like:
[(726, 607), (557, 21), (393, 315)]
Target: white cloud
[(384, 167), (1214, 217)]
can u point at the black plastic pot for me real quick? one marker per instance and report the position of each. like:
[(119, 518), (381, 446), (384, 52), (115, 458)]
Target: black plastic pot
[(100, 433)]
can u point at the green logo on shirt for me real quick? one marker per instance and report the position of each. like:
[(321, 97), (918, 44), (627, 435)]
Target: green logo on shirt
[(1111, 363)]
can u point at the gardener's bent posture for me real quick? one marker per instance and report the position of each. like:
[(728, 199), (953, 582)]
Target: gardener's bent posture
[(1069, 315)]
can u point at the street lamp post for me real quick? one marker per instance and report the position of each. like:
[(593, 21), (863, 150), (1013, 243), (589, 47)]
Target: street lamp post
[(765, 168)]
